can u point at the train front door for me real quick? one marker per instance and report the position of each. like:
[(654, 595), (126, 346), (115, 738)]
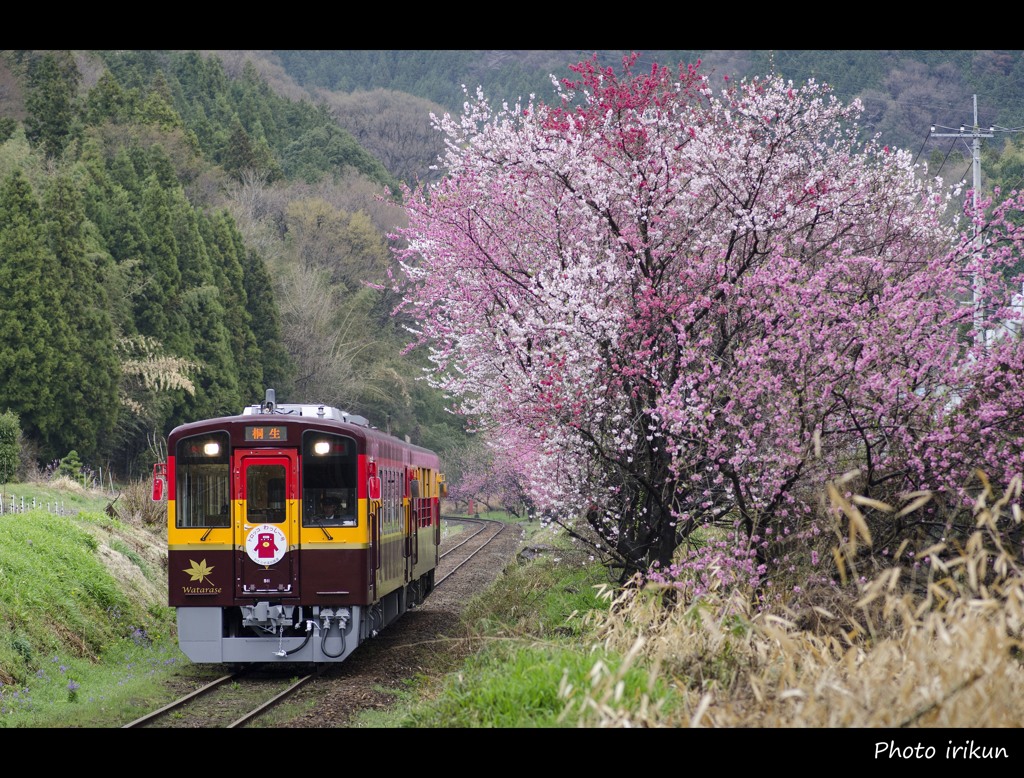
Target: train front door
[(266, 524)]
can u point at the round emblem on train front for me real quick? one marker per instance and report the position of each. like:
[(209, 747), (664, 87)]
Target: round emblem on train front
[(266, 544)]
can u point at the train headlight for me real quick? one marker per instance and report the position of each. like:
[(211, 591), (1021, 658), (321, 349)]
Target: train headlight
[(211, 449), (322, 447)]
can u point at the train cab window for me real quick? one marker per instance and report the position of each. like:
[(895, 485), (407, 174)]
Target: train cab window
[(329, 497), (264, 493), (202, 476)]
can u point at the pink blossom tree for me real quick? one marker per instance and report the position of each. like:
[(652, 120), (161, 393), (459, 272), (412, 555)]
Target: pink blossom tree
[(486, 473), (677, 308)]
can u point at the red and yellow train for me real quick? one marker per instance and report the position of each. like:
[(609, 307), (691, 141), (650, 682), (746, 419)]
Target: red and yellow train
[(295, 532)]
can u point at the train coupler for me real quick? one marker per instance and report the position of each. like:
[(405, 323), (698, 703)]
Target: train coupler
[(266, 617)]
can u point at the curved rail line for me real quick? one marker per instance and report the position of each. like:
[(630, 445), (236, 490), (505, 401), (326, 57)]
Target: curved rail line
[(478, 543), (483, 526)]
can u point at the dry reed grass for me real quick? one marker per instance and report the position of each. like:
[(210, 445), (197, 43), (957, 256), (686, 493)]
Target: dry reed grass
[(940, 651), (134, 505)]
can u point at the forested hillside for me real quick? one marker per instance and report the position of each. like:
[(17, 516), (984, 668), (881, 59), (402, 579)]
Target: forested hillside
[(176, 238)]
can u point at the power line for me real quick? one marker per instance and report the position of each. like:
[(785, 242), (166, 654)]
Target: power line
[(945, 159), (923, 144)]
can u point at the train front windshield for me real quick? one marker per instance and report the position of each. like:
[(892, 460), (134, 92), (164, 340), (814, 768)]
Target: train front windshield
[(203, 475), (329, 470)]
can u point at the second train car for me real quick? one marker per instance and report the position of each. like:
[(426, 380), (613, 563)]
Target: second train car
[(295, 532)]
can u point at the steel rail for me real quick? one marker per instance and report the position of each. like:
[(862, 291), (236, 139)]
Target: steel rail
[(182, 700), (271, 702), (486, 542), (481, 524)]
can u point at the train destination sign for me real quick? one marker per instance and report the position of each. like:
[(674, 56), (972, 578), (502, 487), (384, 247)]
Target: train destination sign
[(273, 433)]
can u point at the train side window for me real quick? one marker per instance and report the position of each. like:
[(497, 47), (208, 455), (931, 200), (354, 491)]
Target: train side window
[(392, 497), (329, 474), (202, 477)]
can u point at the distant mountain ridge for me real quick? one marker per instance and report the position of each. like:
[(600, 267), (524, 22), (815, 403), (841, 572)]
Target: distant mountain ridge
[(904, 91)]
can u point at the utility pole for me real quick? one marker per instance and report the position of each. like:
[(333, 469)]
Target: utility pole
[(976, 135)]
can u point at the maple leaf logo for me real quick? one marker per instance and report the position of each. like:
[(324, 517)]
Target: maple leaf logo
[(199, 571)]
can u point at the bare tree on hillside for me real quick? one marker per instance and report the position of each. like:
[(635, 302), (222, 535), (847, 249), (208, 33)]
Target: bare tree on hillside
[(320, 337), (393, 126)]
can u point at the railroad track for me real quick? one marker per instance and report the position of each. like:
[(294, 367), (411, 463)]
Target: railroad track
[(228, 702), (237, 699), (465, 545)]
